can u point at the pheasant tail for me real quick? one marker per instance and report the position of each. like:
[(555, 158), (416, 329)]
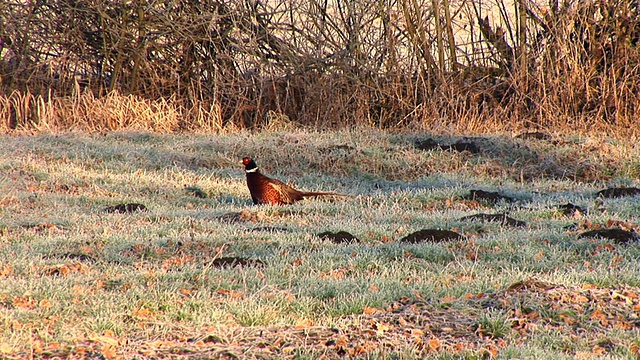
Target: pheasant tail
[(320, 193)]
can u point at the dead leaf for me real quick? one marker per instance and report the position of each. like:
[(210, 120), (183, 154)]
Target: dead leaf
[(108, 351), (303, 323), (45, 304), (434, 344), (447, 299), (6, 349), (599, 350), (539, 255), (581, 299), (370, 310), (296, 262)]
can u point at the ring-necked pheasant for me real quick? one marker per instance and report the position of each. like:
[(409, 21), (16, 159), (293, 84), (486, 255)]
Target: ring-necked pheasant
[(265, 190)]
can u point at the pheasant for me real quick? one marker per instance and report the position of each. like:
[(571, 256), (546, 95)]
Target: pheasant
[(265, 190)]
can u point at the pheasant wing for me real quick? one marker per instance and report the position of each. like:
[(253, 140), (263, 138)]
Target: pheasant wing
[(288, 195)]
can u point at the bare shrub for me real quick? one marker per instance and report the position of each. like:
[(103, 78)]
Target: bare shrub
[(440, 65)]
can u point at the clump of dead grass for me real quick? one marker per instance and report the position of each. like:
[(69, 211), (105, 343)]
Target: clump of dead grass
[(86, 112)]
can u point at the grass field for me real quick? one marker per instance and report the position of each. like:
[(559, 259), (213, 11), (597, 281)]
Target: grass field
[(78, 281)]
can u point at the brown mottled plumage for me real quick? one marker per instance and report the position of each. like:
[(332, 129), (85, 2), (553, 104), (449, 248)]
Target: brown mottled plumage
[(265, 190)]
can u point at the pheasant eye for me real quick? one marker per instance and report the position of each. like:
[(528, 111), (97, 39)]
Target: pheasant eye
[(246, 161)]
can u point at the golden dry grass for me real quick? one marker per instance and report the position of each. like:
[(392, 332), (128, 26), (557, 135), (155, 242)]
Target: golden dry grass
[(29, 113)]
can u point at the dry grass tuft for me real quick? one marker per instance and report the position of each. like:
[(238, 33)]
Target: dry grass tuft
[(85, 112)]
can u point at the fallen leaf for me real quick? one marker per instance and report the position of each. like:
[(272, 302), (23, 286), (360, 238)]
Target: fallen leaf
[(303, 323), (296, 262), (581, 299), (104, 339), (381, 328), (6, 270), (108, 351), (6, 349), (143, 313), (370, 310), (185, 292), (539, 255), (599, 350), (598, 315), (434, 344), (447, 299)]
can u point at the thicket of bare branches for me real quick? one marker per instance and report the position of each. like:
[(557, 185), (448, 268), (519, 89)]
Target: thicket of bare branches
[(467, 65)]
